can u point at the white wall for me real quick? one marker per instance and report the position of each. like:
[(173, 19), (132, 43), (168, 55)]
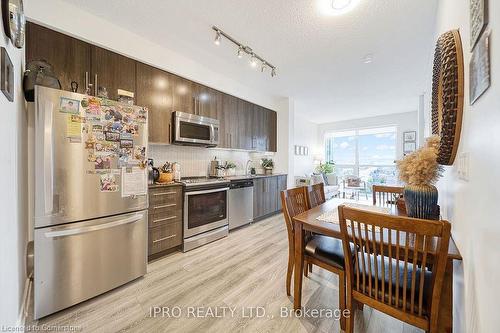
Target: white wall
[(407, 121), (471, 206), (13, 194), (305, 134)]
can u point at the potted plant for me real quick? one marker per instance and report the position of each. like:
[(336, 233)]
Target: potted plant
[(268, 165), (325, 168), (227, 167), (420, 171)]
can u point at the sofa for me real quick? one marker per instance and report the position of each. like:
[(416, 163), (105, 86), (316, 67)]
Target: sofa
[(330, 182)]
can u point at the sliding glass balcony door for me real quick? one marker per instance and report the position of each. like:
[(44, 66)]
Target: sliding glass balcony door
[(368, 153)]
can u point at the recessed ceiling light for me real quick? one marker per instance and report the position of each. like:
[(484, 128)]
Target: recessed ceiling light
[(368, 59), (340, 4), (336, 7)]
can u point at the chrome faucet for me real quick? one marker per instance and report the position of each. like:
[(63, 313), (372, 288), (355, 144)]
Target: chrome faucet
[(246, 167)]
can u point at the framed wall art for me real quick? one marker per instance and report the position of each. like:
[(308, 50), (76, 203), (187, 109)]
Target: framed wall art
[(409, 147), (410, 136), (479, 68), (301, 150), (7, 75), (478, 20)]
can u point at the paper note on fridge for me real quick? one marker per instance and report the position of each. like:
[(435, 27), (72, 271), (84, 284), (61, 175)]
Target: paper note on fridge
[(73, 128), (134, 181)]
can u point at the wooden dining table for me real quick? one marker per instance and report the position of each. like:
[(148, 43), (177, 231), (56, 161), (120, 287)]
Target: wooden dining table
[(308, 221)]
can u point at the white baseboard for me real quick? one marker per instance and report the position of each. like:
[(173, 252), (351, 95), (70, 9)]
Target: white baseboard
[(23, 312)]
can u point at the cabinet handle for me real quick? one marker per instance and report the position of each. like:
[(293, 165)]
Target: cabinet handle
[(169, 133), (165, 219), (164, 238), (95, 85), (164, 206), (86, 81), (164, 193)]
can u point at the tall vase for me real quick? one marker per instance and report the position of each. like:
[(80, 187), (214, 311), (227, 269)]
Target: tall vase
[(421, 201)]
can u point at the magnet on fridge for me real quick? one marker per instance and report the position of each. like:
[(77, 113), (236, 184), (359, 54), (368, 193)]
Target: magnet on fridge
[(68, 105)]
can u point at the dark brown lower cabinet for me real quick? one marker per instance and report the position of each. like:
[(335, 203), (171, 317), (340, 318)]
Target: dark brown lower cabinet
[(266, 193), (165, 220), (281, 187)]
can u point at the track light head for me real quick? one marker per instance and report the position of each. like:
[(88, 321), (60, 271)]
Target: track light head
[(263, 66), (253, 61), (273, 72), (240, 51), (218, 38)]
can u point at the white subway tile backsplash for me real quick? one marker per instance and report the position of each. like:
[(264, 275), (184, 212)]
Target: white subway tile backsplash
[(195, 161)]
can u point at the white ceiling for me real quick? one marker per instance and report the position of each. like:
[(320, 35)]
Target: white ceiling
[(319, 58)]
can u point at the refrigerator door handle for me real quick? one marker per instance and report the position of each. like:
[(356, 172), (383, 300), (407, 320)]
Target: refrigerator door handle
[(77, 231), (48, 159)]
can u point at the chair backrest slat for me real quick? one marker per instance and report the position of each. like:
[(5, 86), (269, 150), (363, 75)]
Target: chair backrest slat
[(315, 194), (384, 244), (386, 195), (375, 264), (294, 202), (424, 268), (382, 266)]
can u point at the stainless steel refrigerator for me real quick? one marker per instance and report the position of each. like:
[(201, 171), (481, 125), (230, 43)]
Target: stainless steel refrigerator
[(90, 213)]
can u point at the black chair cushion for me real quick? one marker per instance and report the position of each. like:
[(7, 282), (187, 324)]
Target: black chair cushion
[(326, 249), (396, 278)]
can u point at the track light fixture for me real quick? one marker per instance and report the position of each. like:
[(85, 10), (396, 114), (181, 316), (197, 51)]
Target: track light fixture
[(218, 37), (242, 50)]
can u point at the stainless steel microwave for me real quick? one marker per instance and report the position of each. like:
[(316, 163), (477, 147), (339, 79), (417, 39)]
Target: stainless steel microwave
[(194, 130)]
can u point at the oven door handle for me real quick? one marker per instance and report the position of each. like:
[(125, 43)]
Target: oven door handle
[(207, 191)]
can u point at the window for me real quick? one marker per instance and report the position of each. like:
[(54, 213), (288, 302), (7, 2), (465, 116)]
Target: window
[(368, 153)]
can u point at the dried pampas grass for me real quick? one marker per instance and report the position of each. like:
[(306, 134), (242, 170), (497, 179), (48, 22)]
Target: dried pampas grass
[(421, 166)]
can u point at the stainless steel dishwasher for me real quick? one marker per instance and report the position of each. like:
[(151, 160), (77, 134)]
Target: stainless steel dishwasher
[(240, 203)]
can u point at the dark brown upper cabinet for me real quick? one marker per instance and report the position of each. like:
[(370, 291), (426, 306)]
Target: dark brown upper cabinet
[(245, 124), (69, 57), (112, 71), (228, 128), (183, 95), (259, 128), (206, 101), (272, 131), (155, 91)]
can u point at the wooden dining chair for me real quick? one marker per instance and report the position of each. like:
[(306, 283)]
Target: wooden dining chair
[(325, 252), (386, 196), (315, 194), (396, 267)]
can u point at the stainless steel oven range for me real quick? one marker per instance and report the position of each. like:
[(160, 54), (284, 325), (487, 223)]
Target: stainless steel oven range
[(205, 211)]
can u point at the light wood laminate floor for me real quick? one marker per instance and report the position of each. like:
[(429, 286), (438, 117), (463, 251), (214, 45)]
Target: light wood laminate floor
[(245, 270)]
